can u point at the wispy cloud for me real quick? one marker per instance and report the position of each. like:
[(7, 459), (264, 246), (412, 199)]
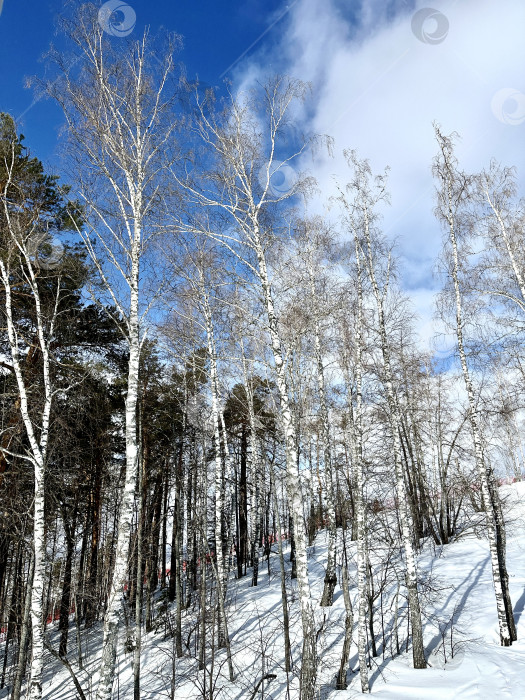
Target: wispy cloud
[(379, 82)]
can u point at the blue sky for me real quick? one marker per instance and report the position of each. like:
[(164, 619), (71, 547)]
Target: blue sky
[(381, 72), (215, 34)]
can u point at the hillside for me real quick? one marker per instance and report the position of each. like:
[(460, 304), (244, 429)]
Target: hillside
[(465, 658)]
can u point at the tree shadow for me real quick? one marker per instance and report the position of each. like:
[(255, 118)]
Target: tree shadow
[(518, 608), (475, 575)]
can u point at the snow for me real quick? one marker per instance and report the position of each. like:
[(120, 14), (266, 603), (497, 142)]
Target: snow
[(460, 577)]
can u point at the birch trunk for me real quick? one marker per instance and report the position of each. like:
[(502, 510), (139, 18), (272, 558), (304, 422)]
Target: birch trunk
[(359, 214), (177, 536), (356, 423), (37, 445), (116, 590), (219, 568), (309, 654), (284, 595), (454, 188), (483, 472), (255, 469), (119, 134), (418, 651), (330, 578), (504, 233), (236, 151), (201, 547), (137, 641), (349, 623), (255, 517), (227, 504)]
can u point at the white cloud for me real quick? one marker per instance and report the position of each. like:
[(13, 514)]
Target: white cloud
[(378, 88)]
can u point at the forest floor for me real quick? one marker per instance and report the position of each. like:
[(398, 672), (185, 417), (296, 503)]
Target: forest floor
[(461, 635)]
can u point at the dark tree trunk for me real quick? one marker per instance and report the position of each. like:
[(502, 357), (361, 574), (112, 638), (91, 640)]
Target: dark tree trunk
[(91, 598), (164, 529), (5, 541), (292, 548), (174, 560), (501, 540), (242, 555), (65, 599)]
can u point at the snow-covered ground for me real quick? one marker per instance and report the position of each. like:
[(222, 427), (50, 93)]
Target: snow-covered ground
[(461, 636)]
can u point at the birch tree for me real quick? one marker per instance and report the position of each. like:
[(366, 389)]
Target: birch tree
[(454, 195), (239, 187), (354, 384), (220, 478), (495, 192), (37, 431), (368, 193), (314, 244), (30, 206), (118, 110)]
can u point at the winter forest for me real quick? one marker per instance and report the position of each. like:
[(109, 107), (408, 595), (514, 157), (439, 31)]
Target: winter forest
[(229, 469)]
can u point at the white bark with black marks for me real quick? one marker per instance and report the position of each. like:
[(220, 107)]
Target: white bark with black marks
[(37, 429), (330, 579), (452, 193)]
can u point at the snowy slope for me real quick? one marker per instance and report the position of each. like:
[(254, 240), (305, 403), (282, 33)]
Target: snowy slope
[(461, 579)]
